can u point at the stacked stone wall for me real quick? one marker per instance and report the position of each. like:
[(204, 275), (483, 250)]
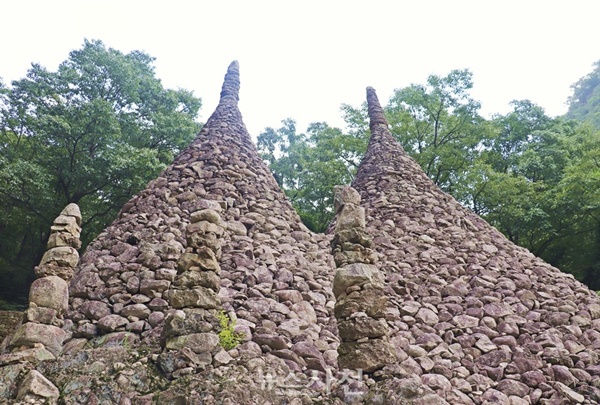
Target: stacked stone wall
[(474, 317), (432, 303), (273, 279)]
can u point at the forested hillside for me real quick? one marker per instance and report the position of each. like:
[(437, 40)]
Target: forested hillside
[(584, 104), (99, 128), (93, 133), (534, 177)]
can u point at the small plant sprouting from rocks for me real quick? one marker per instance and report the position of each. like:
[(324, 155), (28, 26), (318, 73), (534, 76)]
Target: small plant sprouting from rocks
[(228, 338)]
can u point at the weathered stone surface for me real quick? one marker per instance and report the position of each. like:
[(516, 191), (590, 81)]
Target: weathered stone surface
[(110, 323), (305, 311), (68, 224), (513, 387), (59, 239), (352, 274), (202, 258), (72, 210), (368, 356), (34, 356), (9, 379), (275, 342), (360, 327), (198, 297), (50, 292), (152, 287), (436, 382), (31, 333), (351, 216), (190, 320), (44, 315), (198, 342), (345, 195), (209, 215), (35, 385), (371, 302), (85, 284), (140, 311), (61, 255), (427, 316), (191, 279), (95, 309)]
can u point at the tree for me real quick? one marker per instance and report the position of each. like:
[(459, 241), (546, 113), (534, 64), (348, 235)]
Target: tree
[(584, 104), (533, 177), (581, 186), (93, 133), (528, 189), (308, 166), (438, 124)]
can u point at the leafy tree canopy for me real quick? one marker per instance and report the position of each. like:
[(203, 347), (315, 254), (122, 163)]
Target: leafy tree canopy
[(584, 104), (93, 133), (308, 165)]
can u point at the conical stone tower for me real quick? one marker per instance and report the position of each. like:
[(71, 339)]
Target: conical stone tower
[(265, 249), (475, 318), (436, 306), (212, 237)]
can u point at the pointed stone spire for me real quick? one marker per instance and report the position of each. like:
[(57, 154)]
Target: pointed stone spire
[(225, 126), (214, 232), (231, 84), (441, 261), (376, 115), (384, 154)]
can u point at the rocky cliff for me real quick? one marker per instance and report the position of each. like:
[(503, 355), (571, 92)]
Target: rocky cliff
[(208, 289)]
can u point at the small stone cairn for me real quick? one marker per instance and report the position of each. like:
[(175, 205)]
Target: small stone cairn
[(42, 333), (190, 335), (49, 293), (358, 289)]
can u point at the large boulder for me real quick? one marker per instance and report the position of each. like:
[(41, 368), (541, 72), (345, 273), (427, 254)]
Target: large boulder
[(50, 292), (36, 386), (30, 333)]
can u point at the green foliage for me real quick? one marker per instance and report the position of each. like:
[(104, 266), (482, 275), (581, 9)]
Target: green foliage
[(308, 165), (584, 104), (438, 125), (228, 337), (94, 133)]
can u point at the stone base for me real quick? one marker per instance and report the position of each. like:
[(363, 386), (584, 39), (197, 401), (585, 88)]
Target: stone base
[(367, 356)]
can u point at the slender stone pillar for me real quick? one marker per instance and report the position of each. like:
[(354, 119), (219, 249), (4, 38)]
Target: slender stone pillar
[(49, 293), (190, 335), (358, 288)]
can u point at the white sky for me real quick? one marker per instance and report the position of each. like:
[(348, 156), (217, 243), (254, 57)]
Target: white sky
[(303, 59)]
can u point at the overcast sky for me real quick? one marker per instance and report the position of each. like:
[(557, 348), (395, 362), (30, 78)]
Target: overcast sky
[(303, 59)]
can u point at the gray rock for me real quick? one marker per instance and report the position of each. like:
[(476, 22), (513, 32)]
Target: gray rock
[(31, 333), (198, 297), (110, 323), (351, 275), (50, 292), (35, 386), (513, 387), (273, 341), (198, 342), (368, 356)]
